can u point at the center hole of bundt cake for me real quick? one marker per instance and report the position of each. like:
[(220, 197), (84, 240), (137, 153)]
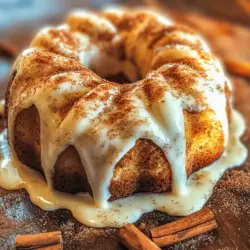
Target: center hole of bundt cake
[(118, 70), (118, 78)]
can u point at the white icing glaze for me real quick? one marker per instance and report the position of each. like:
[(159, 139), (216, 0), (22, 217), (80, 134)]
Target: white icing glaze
[(99, 21), (163, 125), (114, 9), (160, 18), (127, 210)]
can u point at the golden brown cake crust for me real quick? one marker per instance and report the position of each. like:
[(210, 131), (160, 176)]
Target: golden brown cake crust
[(145, 166)]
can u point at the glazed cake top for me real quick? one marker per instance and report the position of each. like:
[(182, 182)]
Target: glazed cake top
[(103, 119)]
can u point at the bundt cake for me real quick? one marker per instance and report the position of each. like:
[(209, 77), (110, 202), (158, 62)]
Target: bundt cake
[(165, 119)]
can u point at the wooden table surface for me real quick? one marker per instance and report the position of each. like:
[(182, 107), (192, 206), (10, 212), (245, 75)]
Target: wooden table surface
[(230, 200)]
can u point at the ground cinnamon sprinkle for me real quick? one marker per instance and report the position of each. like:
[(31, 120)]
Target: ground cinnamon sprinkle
[(237, 180), (166, 31), (65, 36)]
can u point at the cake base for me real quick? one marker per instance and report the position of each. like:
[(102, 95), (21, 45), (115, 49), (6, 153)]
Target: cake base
[(199, 186)]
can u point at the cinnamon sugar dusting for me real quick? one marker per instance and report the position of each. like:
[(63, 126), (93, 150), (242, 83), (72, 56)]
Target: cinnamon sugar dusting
[(237, 180), (160, 34), (60, 37), (97, 31)]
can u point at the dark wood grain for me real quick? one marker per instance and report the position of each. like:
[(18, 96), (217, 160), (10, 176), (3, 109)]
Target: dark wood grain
[(230, 200)]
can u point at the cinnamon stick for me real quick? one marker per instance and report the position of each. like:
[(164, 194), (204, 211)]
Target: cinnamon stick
[(237, 67), (245, 4), (184, 223), (185, 234), (7, 50), (134, 239), (45, 241)]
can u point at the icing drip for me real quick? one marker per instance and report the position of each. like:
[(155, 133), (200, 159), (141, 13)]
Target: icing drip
[(172, 120)]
